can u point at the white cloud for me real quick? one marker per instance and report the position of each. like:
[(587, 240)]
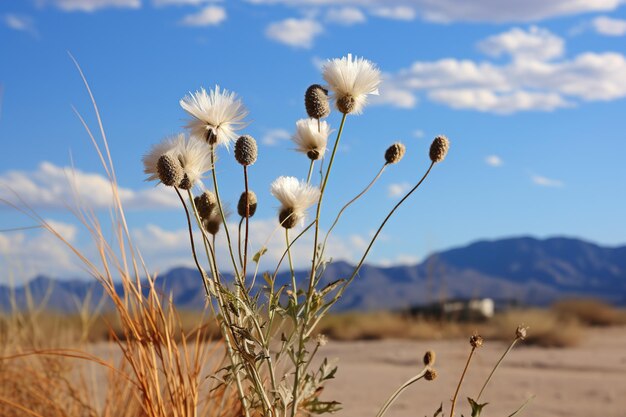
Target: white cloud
[(401, 259), (534, 44), (494, 161), (209, 16), (20, 23), (53, 187), (94, 5), (395, 13), (162, 3), (346, 16), (396, 190), (533, 83), (609, 26), (473, 11), (299, 33), (28, 254), (273, 136), (546, 182), (418, 133), (394, 96)]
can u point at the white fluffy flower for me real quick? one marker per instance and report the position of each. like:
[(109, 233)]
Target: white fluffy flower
[(295, 197), (218, 113), (192, 155), (351, 80), (311, 138)]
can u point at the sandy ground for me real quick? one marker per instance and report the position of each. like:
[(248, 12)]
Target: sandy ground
[(588, 380)]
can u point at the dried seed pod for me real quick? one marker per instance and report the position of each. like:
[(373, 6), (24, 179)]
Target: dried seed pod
[(430, 375), (287, 218), (521, 332), (346, 104), (185, 183), (439, 149), (395, 153), (170, 170), (205, 203), (212, 224), (476, 341), (252, 203), (246, 151), (316, 102), (429, 358)]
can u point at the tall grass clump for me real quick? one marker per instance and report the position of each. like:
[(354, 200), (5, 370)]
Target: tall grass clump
[(269, 330)]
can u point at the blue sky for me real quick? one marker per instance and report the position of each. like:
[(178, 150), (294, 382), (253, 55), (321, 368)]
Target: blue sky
[(531, 95)]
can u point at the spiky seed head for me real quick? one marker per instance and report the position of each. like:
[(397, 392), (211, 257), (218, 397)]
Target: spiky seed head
[(252, 203), (430, 375), (246, 151), (313, 155), (185, 183), (205, 203), (439, 149), (346, 104), (287, 218), (429, 358), (476, 341), (521, 332), (170, 171), (316, 102), (395, 153)]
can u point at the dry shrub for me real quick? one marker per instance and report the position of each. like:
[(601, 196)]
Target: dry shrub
[(546, 328), (590, 312)]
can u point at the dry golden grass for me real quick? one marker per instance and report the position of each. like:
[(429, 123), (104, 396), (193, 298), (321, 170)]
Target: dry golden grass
[(590, 312), (545, 328)]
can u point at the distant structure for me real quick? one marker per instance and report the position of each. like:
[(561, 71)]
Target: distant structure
[(473, 309)]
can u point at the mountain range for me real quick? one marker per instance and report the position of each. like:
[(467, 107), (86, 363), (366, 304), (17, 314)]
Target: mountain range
[(523, 269)]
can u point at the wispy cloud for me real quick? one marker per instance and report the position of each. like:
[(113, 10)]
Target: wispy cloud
[(395, 13), (346, 16), (20, 23), (546, 182), (274, 136), (95, 5), (418, 133), (608, 26), (299, 33), (398, 189), (209, 16), (53, 187), (494, 161)]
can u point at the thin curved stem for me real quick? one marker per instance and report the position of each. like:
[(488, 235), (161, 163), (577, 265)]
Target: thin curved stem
[(365, 190), (219, 205), (308, 177), (399, 391), (239, 242), (493, 371), (245, 246), (458, 387), (293, 274)]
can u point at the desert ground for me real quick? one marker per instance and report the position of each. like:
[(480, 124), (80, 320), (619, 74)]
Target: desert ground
[(588, 380)]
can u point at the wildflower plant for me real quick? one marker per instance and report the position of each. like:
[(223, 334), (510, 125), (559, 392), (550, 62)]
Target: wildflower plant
[(269, 330)]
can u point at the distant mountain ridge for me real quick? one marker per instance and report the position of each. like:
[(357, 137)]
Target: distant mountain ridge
[(529, 270)]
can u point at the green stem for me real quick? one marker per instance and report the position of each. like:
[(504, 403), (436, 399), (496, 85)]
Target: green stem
[(219, 205), (293, 274), (313, 270), (308, 177), (399, 391), (239, 242)]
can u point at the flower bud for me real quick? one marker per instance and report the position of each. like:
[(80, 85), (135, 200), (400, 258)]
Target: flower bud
[(316, 102), (246, 150), (170, 171), (205, 203), (251, 206), (439, 149), (395, 153)]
